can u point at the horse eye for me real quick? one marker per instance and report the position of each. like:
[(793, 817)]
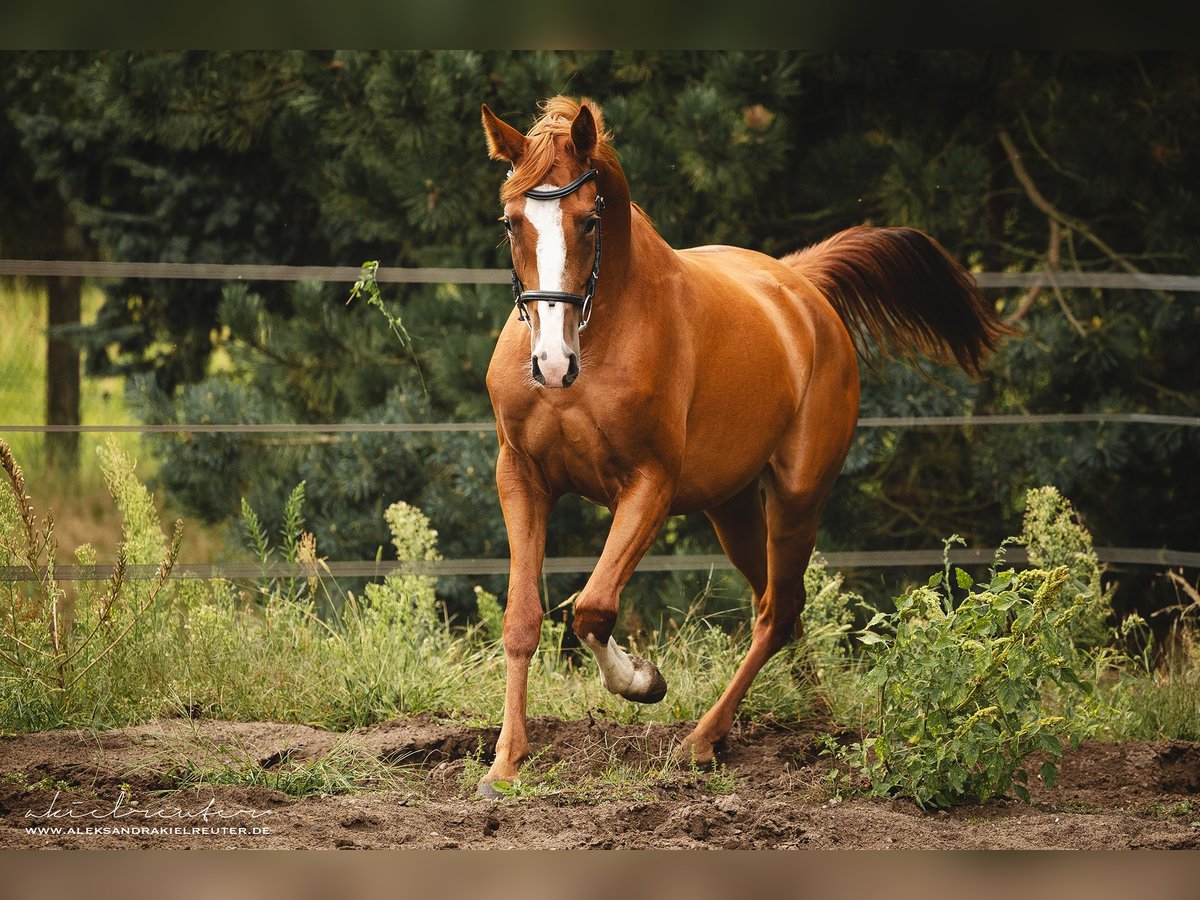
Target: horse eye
[(507, 224), (591, 225)]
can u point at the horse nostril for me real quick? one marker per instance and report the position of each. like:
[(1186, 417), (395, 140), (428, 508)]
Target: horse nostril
[(572, 371), (537, 373)]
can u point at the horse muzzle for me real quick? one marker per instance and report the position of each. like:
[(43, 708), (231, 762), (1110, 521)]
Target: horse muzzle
[(555, 373)]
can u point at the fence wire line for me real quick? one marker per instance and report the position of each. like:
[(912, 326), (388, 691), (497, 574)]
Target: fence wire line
[(431, 275), (490, 427), (220, 272), (851, 559), (396, 275)]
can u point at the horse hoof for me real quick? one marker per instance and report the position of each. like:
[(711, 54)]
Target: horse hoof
[(695, 752), (648, 685), (485, 790)]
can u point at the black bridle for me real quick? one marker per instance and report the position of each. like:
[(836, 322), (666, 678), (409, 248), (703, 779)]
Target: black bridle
[(583, 301)]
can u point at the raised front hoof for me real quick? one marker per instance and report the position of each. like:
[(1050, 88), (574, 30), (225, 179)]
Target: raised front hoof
[(648, 684), (486, 790), (695, 752)]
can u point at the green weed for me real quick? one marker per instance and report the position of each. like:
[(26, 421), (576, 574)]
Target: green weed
[(967, 691)]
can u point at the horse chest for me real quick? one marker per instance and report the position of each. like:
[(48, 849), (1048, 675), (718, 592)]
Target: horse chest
[(584, 451)]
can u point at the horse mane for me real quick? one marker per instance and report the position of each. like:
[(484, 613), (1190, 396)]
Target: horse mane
[(542, 150)]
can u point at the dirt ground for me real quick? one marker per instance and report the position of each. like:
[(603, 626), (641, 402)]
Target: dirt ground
[(592, 784)]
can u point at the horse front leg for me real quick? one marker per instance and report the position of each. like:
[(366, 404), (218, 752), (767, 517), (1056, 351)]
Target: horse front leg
[(526, 503), (639, 514)]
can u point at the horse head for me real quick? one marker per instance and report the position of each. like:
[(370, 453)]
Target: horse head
[(553, 200)]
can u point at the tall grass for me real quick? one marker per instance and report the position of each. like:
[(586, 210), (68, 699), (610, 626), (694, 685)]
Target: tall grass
[(64, 659), (1163, 700), (262, 651), (300, 650)]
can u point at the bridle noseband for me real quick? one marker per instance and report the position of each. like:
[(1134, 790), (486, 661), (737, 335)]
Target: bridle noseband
[(583, 301)]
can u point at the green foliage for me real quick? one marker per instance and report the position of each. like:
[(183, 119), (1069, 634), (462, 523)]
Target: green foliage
[(384, 653), (259, 543), (296, 545), (1056, 537), (827, 616), (293, 523), (489, 614), (1162, 701), (966, 692), (368, 287), (1159, 705), (218, 650), (142, 540), (963, 680)]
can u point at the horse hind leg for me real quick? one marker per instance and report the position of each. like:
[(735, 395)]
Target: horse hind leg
[(792, 511), (741, 527)]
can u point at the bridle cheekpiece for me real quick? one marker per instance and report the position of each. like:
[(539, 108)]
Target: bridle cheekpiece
[(583, 301)]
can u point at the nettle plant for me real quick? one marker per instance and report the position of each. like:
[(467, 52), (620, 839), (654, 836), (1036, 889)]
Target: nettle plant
[(967, 689)]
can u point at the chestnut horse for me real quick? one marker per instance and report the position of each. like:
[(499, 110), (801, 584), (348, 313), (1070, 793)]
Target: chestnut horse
[(713, 379)]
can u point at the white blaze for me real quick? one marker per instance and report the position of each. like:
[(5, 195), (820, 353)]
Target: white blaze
[(552, 354)]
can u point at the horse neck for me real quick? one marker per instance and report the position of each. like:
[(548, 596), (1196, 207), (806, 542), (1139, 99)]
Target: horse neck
[(616, 225), (633, 253)]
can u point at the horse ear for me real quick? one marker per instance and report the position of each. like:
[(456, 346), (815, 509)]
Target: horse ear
[(504, 141), (583, 132)]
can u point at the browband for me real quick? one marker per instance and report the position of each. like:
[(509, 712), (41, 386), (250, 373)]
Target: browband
[(565, 191)]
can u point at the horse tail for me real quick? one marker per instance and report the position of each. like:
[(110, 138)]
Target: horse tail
[(900, 288)]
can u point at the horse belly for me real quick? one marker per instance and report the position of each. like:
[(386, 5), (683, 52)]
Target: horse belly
[(747, 390), (725, 454)]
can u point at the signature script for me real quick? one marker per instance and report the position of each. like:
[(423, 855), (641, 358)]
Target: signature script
[(124, 808)]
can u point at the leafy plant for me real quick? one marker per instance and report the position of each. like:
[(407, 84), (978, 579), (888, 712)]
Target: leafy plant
[(721, 781), (827, 616), (294, 541), (1055, 536), (967, 692), (367, 287)]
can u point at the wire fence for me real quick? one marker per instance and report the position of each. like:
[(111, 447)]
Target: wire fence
[(556, 565), (101, 269), (849, 559), (337, 428)]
